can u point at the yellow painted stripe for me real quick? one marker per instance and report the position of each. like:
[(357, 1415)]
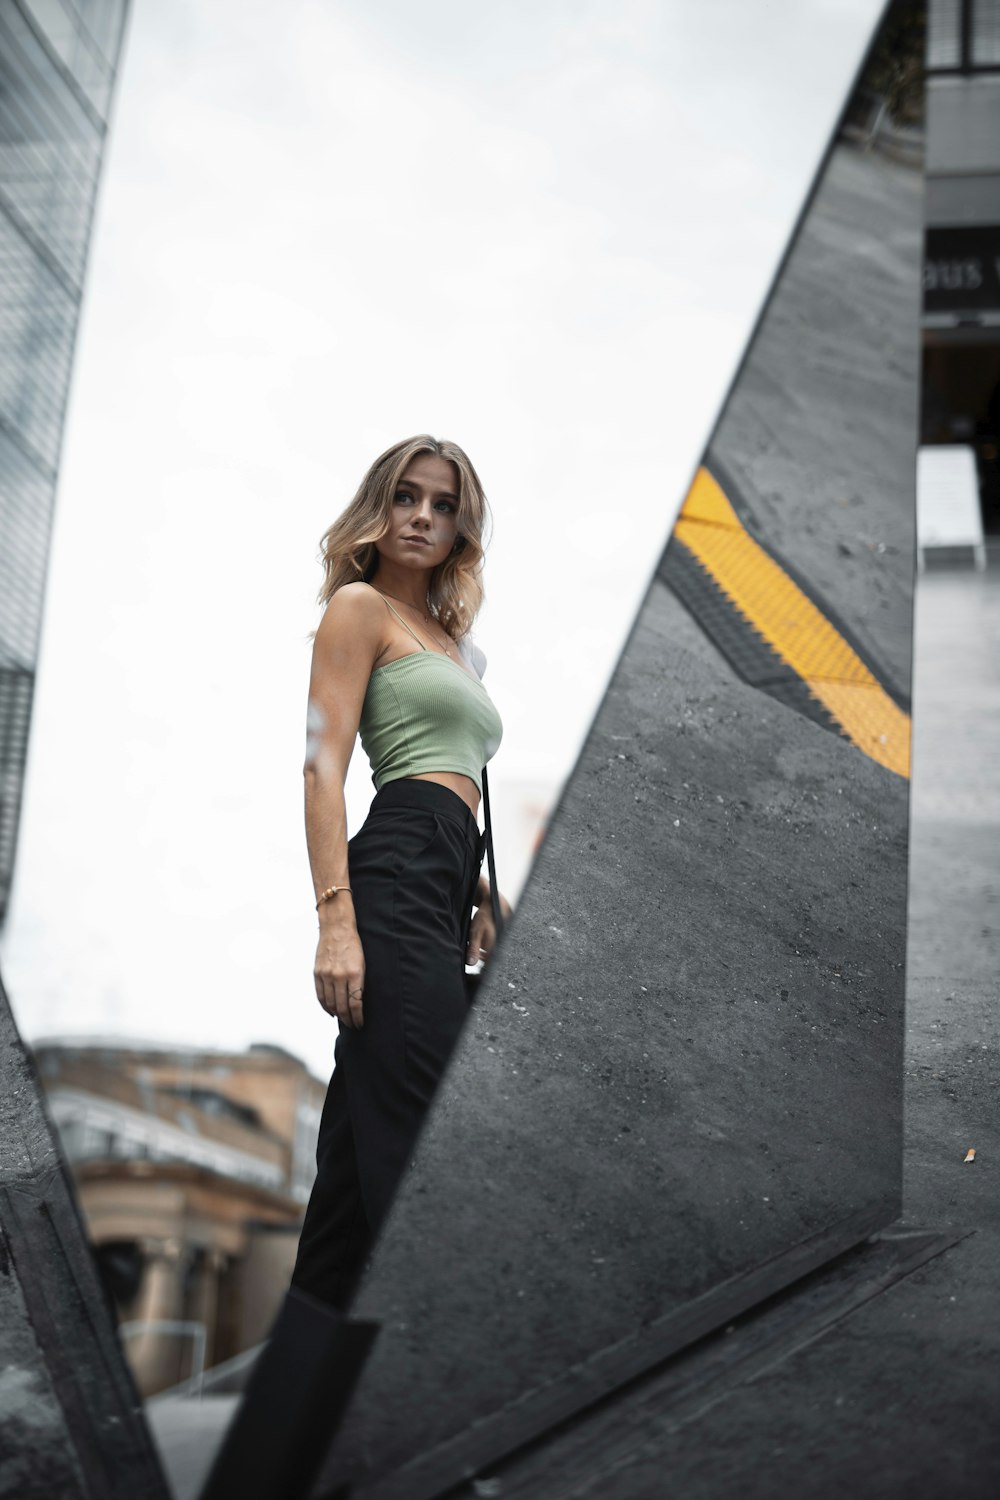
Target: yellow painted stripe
[(792, 626)]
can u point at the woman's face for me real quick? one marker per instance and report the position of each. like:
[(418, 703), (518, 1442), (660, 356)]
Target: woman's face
[(423, 520)]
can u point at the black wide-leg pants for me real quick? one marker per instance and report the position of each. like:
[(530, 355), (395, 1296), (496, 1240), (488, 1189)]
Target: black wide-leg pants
[(414, 866)]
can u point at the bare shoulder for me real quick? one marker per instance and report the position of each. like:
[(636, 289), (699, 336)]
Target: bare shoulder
[(351, 634), (356, 609)]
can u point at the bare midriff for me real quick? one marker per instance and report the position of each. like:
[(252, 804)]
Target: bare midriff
[(462, 786)]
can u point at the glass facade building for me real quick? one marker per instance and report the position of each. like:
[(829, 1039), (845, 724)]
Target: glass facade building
[(963, 36), (58, 61)]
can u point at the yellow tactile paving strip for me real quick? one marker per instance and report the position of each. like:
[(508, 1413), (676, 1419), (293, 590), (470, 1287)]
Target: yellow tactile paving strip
[(791, 624)]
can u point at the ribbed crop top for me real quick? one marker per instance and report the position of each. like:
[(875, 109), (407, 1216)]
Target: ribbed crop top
[(425, 712)]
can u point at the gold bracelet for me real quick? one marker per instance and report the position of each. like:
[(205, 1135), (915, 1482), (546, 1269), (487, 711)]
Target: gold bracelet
[(329, 894)]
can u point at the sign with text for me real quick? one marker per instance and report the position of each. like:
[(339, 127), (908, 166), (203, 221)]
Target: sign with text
[(962, 269)]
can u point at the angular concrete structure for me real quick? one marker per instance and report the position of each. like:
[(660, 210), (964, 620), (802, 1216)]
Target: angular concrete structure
[(681, 1087)]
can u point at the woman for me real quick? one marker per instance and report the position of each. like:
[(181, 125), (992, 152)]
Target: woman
[(392, 659)]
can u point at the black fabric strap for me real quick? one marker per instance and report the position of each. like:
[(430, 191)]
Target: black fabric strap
[(490, 862)]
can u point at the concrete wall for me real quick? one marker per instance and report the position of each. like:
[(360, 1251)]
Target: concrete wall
[(681, 1086)]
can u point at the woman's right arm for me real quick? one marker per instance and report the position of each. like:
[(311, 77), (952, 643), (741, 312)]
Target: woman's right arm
[(347, 643)]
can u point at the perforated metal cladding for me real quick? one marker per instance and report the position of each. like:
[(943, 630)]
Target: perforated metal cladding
[(57, 71)]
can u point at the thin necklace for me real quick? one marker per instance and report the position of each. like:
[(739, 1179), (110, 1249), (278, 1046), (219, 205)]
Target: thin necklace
[(424, 616)]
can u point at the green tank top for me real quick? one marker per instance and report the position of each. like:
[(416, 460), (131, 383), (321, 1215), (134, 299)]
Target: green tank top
[(425, 712)]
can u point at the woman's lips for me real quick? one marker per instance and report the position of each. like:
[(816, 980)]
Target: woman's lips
[(418, 541)]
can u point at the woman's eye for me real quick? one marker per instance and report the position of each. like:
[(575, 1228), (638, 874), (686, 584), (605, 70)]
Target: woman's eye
[(403, 495), (447, 505)]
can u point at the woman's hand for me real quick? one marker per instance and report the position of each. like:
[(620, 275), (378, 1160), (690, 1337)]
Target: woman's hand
[(339, 970), (482, 929)]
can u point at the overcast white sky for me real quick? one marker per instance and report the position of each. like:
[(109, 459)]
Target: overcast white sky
[(541, 229)]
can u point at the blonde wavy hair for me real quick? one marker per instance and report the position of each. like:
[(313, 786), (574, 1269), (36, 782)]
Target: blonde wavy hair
[(348, 552)]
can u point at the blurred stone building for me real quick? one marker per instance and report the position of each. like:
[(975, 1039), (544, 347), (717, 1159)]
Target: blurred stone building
[(192, 1170)]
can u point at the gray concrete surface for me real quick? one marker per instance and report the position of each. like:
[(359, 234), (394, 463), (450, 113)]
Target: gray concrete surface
[(685, 1068), (834, 374), (187, 1431), (632, 1135), (899, 1400), (37, 1454)]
